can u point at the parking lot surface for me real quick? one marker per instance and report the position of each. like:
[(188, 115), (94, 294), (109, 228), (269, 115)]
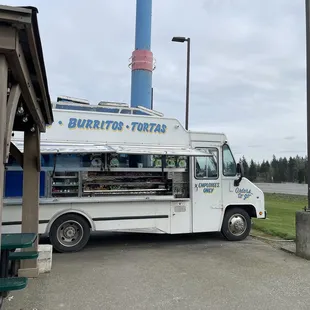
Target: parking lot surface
[(121, 272)]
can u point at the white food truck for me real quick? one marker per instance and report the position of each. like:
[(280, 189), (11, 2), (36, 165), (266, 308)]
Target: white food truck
[(110, 167)]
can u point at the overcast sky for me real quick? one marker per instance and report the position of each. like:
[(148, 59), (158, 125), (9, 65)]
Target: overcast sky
[(247, 63)]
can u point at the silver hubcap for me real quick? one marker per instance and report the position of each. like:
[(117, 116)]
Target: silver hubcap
[(70, 233), (237, 224)]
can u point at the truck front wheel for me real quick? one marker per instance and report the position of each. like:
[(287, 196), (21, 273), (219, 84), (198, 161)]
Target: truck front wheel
[(236, 224), (69, 233)]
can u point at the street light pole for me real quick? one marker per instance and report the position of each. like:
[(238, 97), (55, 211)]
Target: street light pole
[(188, 40), (307, 10), (187, 82)]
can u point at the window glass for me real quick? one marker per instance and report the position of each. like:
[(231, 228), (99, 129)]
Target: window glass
[(138, 112), (206, 167), (125, 111), (229, 164)]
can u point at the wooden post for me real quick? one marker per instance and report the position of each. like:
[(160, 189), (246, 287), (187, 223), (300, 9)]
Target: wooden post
[(31, 185), (12, 103), (3, 102)]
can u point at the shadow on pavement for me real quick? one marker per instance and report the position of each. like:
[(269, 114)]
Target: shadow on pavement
[(99, 240)]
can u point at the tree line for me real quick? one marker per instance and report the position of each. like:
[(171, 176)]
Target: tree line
[(293, 169)]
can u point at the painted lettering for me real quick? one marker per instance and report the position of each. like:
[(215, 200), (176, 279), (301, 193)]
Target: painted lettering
[(152, 125), (157, 128), (108, 124), (81, 123), (72, 123), (115, 126), (208, 190), (146, 127), (89, 124), (243, 193), (120, 126), (212, 185), (133, 126), (96, 124)]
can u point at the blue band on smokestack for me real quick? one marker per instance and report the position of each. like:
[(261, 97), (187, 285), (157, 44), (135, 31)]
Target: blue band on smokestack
[(142, 58)]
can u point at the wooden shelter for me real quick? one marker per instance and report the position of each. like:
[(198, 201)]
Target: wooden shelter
[(24, 106)]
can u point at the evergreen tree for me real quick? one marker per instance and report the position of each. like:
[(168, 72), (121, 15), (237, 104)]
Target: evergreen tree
[(293, 169), (268, 172), (301, 176), (283, 169), (263, 171), (252, 171), (245, 167), (275, 170)]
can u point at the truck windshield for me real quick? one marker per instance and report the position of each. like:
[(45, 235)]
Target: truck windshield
[(229, 164)]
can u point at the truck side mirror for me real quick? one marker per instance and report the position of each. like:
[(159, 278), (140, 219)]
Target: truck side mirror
[(239, 169), (240, 173)]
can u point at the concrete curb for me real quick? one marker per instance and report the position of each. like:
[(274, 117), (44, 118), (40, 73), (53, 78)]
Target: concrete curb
[(269, 239), (289, 251), (288, 248)]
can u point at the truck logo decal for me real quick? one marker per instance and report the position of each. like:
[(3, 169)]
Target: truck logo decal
[(89, 124), (208, 188), (243, 193)]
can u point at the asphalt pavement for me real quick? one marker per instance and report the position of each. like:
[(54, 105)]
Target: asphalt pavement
[(284, 188), (124, 272)]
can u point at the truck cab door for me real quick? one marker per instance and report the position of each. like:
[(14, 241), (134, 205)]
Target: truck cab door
[(244, 193), (206, 190), (229, 175)]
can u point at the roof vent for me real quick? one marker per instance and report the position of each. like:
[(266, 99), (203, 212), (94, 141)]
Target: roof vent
[(113, 104), (67, 99)]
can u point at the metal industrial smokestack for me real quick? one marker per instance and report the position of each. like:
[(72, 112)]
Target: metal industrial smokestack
[(142, 57)]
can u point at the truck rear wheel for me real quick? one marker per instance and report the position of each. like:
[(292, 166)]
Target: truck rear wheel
[(236, 224), (69, 233)]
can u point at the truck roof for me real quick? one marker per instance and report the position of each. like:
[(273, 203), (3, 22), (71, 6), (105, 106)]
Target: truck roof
[(116, 127), (74, 104)]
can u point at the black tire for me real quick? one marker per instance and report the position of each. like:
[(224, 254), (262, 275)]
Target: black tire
[(64, 227), (239, 215)]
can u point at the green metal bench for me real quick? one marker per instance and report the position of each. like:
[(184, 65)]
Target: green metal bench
[(9, 243), (16, 257), (11, 284), (23, 255)]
